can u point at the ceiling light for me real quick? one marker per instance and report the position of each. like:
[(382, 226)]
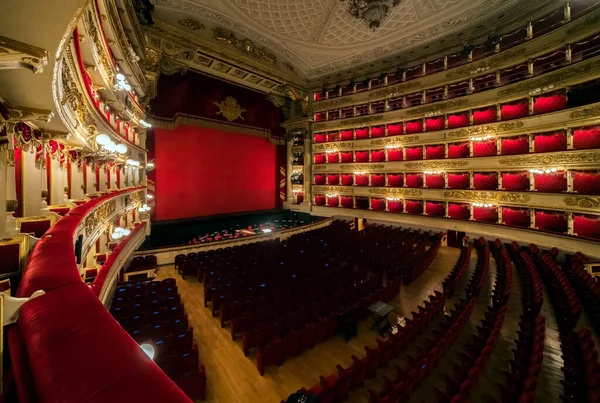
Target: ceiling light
[(102, 139), (148, 349), (121, 148), (120, 77), (371, 12)]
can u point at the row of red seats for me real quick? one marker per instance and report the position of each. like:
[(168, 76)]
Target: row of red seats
[(278, 350), (531, 290), (449, 283), (142, 263), (581, 368), (417, 266), (587, 288), (336, 387), (481, 269)]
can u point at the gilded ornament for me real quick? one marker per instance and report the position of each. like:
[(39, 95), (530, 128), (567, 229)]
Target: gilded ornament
[(395, 90), (585, 112), (10, 158), (332, 189), (583, 201), (230, 109), (11, 205), (438, 106), (361, 167), (191, 23), (572, 157), (396, 192), (334, 146), (487, 196), (319, 167), (331, 103), (482, 130), (491, 62), (394, 140), (436, 164)]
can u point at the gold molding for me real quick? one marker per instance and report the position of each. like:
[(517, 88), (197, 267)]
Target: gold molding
[(436, 164), (487, 196), (334, 146), (333, 189), (477, 130), (586, 112), (394, 140), (23, 242), (583, 201), (230, 109), (363, 120), (570, 157), (438, 107), (15, 54), (396, 192), (25, 113), (319, 167), (361, 167)]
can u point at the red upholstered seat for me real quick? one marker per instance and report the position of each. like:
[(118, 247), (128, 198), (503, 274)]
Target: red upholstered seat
[(37, 228), (115, 370)]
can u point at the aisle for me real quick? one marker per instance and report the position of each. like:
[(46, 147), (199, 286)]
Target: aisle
[(233, 378)]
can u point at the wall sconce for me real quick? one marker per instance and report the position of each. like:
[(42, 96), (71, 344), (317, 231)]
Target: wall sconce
[(484, 138), (543, 171), (331, 195), (360, 173), (391, 147), (145, 124), (122, 84), (144, 209), (486, 205), (133, 163), (107, 145), (539, 90), (331, 151), (150, 165), (433, 172), (149, 197), (393, 199), (119, 233)]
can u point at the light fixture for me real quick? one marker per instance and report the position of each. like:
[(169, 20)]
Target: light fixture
[(149, 197), (121, 148), (484, 138), (360, 173), (148, 349), (120, 77), (267, 230), (432, 172), (122, 84), (485, 205), (393, 198), (543, 170), (111, 147), (331, 151), (150, 165), (371, 12), (331, 195), (145, 124), (102, 139), (390, 147), (133, 163), (145, 208)]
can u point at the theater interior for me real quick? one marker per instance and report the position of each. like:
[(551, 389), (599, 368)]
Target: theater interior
[(317, 201)]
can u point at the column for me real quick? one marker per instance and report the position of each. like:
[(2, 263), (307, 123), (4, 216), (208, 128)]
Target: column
[(386, 202), (307, 167), (569, 180), (354, 108), (531, 144), (531, 182), (386, 179), (354, 88), (385, 80), (370, 200), (445, 121), (404, 103), (471, 211), (568, 54), (446, 209), (567, 12), (531, 218), (569, 139), (530, 102), (498, 112), (530, 67), (445, 96), (470, 117), (470, 148), (446, 150), (404, 75), (445, 180), (44, 203), (499, 176), (404, 127), (11, 203), (498, 146), (289, 195), (369, 85), (570, 224), (499, 214), (386, 108), (529, 30), (470, 179), (498, 77), (370, 108), (326, 115), (470, 89), (424, 69), (445, 62), (424, 97)]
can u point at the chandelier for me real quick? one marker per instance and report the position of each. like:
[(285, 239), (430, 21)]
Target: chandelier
[(372, 12)]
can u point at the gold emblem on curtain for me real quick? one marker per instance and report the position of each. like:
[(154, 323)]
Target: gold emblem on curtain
[(230, 109)]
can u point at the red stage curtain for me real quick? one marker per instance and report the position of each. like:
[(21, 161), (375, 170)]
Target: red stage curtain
[(347, 156), (515, 217), (552, 182), (515, 181), (377, 155), (485, 148), (318, 96), (333, 137), (333, 179), (485, 214), (362, 133), (361, 156), (459, 211), (333, 201), (394, 129), (414, 153), (545, 143), (18, 155), (414, 180), (458, 120), (588, 137), (586, 182), (435, 181), (320, 179), (395, 180), (394, 154), (378, 204), (435, 209), (414, 126), (333, 158), (458, 181), (320, 137), (515, 110), (485, 181), (434, 152), (299, 197), (414, 206), (550, 103), (378, 180), (586, 226), (347, 180), (436, 123), (319, 117), (347, 135), (518, 145), (377, 131), (458, 150), (551, 221), (347, 202), (320, 158), (485, 115), (361, 180), (395, 206)]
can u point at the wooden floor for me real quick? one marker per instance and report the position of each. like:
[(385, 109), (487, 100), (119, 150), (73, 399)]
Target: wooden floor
[(233, 378)]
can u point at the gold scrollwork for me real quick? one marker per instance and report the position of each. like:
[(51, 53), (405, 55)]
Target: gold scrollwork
[(394, 140), (436, 164), (352, 122), (230, 109), (361, 167), (334, 146), (438, 107), (396, 192), (557, 158), (487, 196), (319, 167), (502, 127), (585, 113), (395, 90), (333, 189), (583, 201)]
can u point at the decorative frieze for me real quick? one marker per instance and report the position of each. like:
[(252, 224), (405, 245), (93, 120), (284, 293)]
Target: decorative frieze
[(471, 195), (488, 63), (333, 189), (586, 112), (439, 106), (478, 130), (396, 192), (583, 201), (361, 121), (333, 146), (394, 140), (361, 167), (436, 164), (572, 157)]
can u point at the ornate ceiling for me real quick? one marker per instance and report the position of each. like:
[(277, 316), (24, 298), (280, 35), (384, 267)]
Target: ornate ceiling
[(319, 37)]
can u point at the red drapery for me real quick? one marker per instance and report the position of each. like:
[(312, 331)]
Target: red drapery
[(320, 137), (319, 158), (394, 154), (362, 133), (378, 204), (333, 201), (434, 152), (586, 137), (395, 205), (414, 206), (551, 221), (347, 180), (414, 126), (436, 123), (485, 181), (347, 202), (361, 180), (435, 209), (414, 153), (458, 181), (19, 181), (377, 131), (586, 182), (519, 145), (378, 180), (395, 180), (515, 217), (586, 226), (551, 182), (485, 214), (485, 115), (347, 135), (334, 136), (333, 158), (458, 120), (515, 181), (550, 103), (320, 179), (394, 129), (459, 211), (544, 143), (347, 156), (414, 180), (377, 155), (333, 179), (319, 200), (361, 156), (485, 148), (515, 110), (458, 150), (436, 181)]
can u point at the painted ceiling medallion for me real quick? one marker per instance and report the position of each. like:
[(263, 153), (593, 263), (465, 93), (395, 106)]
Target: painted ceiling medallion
[(372, 12), (230, 109)]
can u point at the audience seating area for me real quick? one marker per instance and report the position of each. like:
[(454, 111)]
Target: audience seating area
[(151, 312)]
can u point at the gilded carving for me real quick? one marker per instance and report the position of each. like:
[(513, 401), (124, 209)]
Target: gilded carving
[(334, 146), (230, 109), (11, 205), (319, 168), (191, 23), (98, 44), (395, 90), (331, 103), (244, 45), (396, 192), (10, 158), (361, 121), (487, 196), (332, 189), (438, 106), (556, 158), (487, 63), (394, 140), (361, 167), (586, 112), (468, 132), (436, 164), (583, 201)]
